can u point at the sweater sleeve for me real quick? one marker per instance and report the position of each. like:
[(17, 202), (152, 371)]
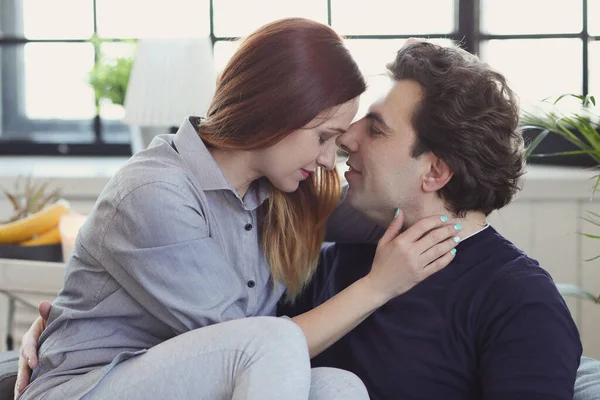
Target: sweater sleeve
[(529, 346)]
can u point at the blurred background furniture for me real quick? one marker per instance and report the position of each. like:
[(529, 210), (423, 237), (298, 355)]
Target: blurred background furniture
[(170, 78), (26, 283)]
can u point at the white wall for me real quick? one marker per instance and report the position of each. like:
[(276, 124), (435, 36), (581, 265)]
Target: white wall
[(545, 221)]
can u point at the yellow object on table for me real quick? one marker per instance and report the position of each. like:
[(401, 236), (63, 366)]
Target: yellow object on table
[(37, 224), (50, 237)]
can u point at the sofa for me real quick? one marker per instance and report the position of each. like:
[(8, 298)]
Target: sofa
[(587, 385)]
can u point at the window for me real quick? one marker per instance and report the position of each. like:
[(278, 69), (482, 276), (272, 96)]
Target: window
[(541, 46), (544, 47), (47, 104), (593, 14)]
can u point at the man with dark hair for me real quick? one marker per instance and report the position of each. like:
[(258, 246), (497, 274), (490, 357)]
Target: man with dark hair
[(491, 325)]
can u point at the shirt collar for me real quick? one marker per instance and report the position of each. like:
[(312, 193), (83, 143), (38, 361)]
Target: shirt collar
[(194, 152)]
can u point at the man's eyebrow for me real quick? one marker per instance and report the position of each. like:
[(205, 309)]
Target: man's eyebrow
[(375, 116)]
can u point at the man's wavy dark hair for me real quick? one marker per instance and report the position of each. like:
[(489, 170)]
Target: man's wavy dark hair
[(469, 118)]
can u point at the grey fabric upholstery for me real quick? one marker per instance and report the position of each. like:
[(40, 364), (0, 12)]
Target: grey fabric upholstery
[(8, 373), (587, 386)]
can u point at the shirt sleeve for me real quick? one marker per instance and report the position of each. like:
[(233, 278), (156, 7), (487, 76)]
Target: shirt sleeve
[(529, 344), (158, 248), (346, 225)]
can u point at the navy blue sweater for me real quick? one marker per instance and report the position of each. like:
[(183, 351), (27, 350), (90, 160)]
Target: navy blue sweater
[(491, 326)]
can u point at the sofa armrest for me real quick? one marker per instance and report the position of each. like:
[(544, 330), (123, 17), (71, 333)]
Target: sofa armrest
[(8, 373)]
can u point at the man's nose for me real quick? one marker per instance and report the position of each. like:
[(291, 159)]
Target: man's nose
[(347, 140)]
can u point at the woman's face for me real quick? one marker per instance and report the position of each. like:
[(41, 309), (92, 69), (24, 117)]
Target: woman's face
[(297, 155)]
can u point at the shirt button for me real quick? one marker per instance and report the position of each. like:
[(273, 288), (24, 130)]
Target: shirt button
[(248, 227), (251, 284)]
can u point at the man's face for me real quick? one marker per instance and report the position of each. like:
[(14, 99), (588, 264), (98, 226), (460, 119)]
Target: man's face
[(383, 175)]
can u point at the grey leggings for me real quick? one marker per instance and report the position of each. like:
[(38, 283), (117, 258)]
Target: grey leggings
[(251, 358)]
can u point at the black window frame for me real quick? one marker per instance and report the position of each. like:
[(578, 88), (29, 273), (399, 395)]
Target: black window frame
[(467, 31)]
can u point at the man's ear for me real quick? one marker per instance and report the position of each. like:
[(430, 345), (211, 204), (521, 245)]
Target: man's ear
[(438, 175)]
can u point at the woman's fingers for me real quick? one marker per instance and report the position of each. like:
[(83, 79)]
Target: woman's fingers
[(438, 235), (393, 229), (437, 251), (438, 264), (424, 226)]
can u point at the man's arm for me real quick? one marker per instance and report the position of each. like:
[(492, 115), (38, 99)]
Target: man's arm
[(529, 346)]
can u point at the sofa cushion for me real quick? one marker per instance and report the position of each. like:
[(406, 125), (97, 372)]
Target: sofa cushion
[(8, 373), (587, 385)]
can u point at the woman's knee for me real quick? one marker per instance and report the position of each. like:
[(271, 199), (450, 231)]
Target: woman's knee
[(334, 383), (282, 335)]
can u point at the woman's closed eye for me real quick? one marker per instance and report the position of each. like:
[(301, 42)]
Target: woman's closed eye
[(325, 137)]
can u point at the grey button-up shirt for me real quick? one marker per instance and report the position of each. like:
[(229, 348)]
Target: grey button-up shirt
[(169, 247)]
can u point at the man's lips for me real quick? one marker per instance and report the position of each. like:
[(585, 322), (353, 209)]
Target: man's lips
[(352, 169)]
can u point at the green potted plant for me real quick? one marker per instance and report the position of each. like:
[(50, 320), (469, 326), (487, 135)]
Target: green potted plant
[(109, 76), (581, 127)]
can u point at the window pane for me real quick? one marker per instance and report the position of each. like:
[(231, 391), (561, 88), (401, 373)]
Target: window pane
[(44, 93), (393, 17), (158, 19), (531, 16), (10, 62), (372, 56), (234, 18), (533, 68), (594, 70), (594, 17), (223, 51), (43, 19), (56, 80)]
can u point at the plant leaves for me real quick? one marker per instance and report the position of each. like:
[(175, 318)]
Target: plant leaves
[(570, 290), (593, 213), (535, 142), (52, 197), (589, 235), (12, 199), (589, 99), (596, 185), (35, 198), (563, 153), (559, 98)]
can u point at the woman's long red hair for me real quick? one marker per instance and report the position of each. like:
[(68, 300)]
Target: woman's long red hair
[(282, 76)]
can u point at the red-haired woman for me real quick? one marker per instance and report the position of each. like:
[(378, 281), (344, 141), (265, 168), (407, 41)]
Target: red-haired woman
[(172, 287)]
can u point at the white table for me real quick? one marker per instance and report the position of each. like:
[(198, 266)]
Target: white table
[(26, 282)]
